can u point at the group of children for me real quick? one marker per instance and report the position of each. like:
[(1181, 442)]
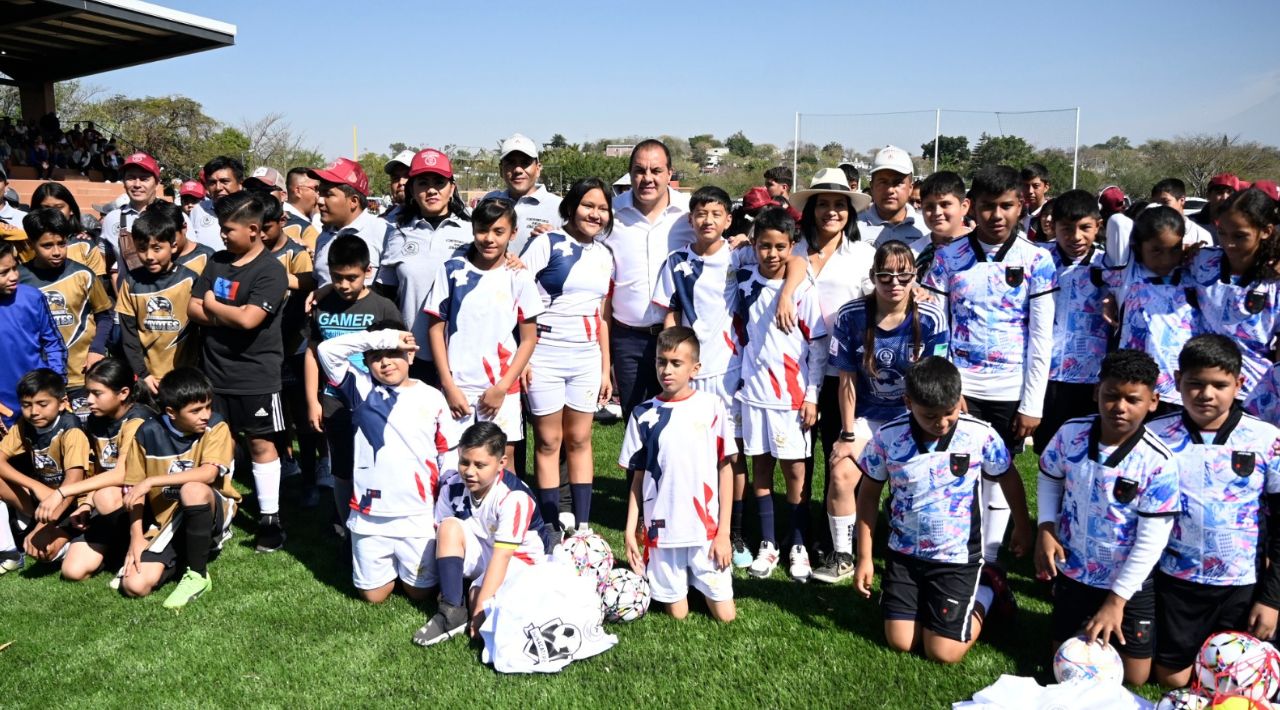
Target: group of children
[(1131, 379)]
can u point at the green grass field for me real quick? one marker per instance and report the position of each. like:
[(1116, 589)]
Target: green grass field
[(286, 630)]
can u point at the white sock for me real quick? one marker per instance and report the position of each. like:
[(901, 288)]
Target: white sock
[(842, 532), (7, 543), (266, 481), (996, 518), (985, 595)]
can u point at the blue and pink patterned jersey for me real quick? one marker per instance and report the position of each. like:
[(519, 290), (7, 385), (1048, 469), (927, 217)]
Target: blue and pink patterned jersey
[(935, 490), (703, 290), (481, 310), (1080, 334), (1264, 401), (1105, 490), (573, 279), (880, 397), (779, 370), (1156, 317), (1248, 313), (1224, 476)]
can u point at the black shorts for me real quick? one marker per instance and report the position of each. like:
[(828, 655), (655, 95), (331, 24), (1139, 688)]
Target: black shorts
[(253, 415), (171, 550), (108, 533), (940, 596), (1074, 603), (1000, 416), (1187, 613), (1062, 401)]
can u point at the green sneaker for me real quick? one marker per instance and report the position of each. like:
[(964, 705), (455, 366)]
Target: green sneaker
[(192, 585)]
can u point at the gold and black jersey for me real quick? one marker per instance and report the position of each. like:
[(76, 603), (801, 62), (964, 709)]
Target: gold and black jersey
[(84, 252), (51, 451), (74, 295), (293, 320), (197, 259), (301, 231), (158, 449), (155, 307)]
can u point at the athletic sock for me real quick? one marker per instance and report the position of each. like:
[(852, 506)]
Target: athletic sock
[(581, 493), (7, 543), (735, 519), (764, 505), (197, 526), (449, 569), (983, 599), (799, 514), (842, 532), (549, 505), (266, 481)]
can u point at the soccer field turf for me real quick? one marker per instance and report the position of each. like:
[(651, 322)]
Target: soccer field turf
[(286, 630)]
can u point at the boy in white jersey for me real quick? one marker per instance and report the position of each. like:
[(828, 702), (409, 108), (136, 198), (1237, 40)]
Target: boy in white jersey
[(1208, 578), (404, 434), (698, 287), (677, 451), (781, 375), (999, 289), (935, 596), (489, 531), (1108, 495), (476, 303)]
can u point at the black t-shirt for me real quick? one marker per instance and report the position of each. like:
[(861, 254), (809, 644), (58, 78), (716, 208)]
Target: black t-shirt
[(332, 316), (244, 361)]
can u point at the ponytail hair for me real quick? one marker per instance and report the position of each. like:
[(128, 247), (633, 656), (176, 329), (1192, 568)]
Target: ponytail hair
[(891, 251), (115, 375)]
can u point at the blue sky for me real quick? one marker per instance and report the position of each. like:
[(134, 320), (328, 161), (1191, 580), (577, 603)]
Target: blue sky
[(470, 73)]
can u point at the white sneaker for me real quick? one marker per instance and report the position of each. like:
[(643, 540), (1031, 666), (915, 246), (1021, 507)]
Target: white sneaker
[(800, 569), (567, 521), (766, 560), (116, 580)]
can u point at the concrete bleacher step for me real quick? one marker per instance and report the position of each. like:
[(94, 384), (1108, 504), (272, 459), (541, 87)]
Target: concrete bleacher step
[(86, 193)]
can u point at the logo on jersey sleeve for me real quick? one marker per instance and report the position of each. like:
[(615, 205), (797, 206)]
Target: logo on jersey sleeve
[(62, 316), (1242, 463), (160, 315), (553, 641)]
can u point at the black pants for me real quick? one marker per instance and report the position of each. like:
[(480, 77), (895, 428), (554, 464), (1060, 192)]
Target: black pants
[(827, 431)]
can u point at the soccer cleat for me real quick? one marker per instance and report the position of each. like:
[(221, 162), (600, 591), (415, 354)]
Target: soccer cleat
[(836, 567), (741, 553), (270, 535), (766, 560), (1003, 604), (448, 622), (192, 585), (800, 569), (10, 561)]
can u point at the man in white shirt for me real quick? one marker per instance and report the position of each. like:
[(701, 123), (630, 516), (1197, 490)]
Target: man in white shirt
[(141, 176), (890, 216), (537, 210), (398, 170), (344, 199), (649, 222), (222, 176)]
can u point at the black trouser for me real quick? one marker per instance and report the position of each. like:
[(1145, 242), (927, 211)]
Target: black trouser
[(825, 433)]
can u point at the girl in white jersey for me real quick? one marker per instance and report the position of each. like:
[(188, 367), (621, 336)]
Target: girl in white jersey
[(568, 374)]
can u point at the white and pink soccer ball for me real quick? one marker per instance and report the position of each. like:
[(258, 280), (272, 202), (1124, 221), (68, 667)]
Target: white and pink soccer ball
[(1183, 699), (590, 555), (1235, 663), (1079, 660), (624, 596)]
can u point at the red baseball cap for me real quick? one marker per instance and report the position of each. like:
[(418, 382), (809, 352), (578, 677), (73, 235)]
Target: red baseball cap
[(344, 171), (757, 198), (192, 188), (430, 160), (1269, 187), (144, 161), (1227, 180), (1112, 200)]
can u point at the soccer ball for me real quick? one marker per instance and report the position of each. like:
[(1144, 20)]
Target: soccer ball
[(1183, 699), (1240, 702), (590, 555), (1079, 660), (624, 595), (1235, 663)]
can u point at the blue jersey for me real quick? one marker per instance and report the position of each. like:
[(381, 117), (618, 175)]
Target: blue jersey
[(1248, 313), (29, 340), (1104, 492), (1223, 478), (921, 334), (1079, 332)]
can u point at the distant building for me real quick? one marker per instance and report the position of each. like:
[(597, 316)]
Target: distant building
[(714, 156), (618, 150)]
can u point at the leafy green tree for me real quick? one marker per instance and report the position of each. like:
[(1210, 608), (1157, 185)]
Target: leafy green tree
[(558, 141), (561, 167), (739, 145), (1001, 150), (953, 153)]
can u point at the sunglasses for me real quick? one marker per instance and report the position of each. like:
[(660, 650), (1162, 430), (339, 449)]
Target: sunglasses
[(888, 277)]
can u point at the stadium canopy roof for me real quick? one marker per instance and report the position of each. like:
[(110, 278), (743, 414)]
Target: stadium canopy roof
[(44, 41)]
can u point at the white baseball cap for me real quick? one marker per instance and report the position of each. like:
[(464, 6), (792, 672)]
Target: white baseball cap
[(404, 157), (891, 157), (519, 143)]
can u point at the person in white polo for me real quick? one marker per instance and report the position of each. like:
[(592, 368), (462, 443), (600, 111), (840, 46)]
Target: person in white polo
[(222, 176), (398, 170), (649, 222), (890, 215), (344, 196), (537, 210)]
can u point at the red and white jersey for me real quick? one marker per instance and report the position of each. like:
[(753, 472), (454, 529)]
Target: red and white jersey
[(704, 291), (481, 309), (679, 445), (506, 516), (573, 279), (779, 370)]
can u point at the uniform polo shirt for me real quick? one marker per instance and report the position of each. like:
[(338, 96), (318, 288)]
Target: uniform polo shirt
[(202, 226), (366, 226), (875, 230), (413, 255), (533, 210), (640, 248)]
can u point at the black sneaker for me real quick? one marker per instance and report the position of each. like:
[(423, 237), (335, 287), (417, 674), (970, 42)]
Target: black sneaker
[(449, 621), (270, 535), (837, 566), (1003, 604)]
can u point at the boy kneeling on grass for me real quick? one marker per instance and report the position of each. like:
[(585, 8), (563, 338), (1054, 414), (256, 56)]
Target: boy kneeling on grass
[(180, 501)]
